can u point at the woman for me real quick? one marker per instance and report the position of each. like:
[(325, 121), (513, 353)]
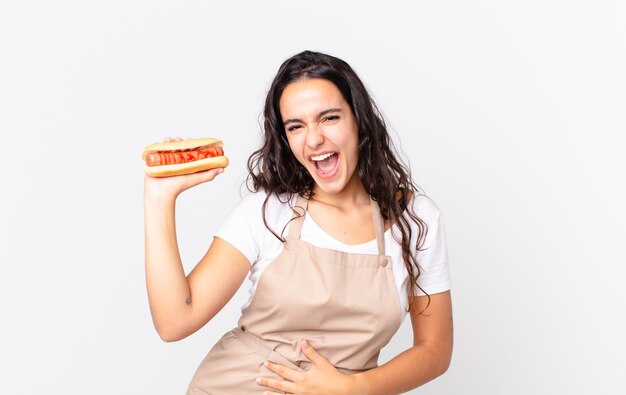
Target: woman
[(345, 244)]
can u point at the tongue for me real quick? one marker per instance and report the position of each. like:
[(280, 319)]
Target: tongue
[(327, 165)]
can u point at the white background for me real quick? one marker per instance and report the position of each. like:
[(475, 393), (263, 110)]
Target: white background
[(511, 114)]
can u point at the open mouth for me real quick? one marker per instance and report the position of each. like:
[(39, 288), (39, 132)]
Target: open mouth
[(325, 164)]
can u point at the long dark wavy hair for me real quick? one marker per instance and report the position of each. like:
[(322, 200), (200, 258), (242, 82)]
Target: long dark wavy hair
[(386, 179)]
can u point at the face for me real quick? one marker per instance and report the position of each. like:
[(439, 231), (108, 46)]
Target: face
[(322, 132)]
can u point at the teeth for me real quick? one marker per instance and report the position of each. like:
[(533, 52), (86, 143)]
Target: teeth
[(323, 156)]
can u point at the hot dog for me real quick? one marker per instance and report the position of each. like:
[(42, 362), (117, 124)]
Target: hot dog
[(183, 157)]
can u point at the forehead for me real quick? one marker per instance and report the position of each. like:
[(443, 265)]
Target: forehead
[(309, 97)]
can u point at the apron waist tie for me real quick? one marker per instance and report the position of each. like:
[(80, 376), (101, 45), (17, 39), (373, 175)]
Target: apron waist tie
[(258, 346)]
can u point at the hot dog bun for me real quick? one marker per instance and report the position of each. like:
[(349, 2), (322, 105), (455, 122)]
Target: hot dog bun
[(188, 167)]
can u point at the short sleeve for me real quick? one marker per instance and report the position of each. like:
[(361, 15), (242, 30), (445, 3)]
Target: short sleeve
[(433, 257), (241, 227)]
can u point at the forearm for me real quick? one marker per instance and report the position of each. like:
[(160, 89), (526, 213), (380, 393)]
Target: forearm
[(410, 369), (168, 289)]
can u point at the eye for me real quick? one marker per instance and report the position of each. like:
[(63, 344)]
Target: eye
[(331, 118), (293, 128)]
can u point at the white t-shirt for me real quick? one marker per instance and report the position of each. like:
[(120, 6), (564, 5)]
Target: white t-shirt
[(245, 230)]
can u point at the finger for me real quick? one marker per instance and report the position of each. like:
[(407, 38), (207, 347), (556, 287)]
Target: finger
[(211, 173), (283, 371), (281, 385), (313, 356), (273, 393), (203, 176)]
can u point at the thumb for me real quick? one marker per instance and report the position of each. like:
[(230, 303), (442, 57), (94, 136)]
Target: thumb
[(313, 356)]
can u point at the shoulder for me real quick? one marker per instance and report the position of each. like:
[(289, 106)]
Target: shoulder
[(424, 207), (247, 227), (257, 199), (275, 206)]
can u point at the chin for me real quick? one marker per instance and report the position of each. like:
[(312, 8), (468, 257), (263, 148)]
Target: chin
[(329, 190), (331, 186)]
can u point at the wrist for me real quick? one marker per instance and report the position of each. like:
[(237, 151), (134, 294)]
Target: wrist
[(155, 194), (158, 198)]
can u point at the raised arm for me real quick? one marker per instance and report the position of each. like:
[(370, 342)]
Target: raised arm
[(180, 305)]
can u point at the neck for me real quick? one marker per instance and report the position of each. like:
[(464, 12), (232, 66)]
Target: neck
[(353, 194)]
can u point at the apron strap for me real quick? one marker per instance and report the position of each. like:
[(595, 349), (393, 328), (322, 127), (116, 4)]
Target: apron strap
[(297, 219), (379, 227)]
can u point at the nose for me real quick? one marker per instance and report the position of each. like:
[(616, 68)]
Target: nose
[(314, 137)]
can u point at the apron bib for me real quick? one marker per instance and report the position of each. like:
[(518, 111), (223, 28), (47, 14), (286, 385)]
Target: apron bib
[(346, 305)]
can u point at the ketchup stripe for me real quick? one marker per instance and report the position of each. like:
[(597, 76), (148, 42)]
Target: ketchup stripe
[(175, 157)]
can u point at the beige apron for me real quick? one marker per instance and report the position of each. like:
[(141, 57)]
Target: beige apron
[(346, 305)]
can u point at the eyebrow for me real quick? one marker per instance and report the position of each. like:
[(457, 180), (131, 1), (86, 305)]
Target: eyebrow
[(320, 115)]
